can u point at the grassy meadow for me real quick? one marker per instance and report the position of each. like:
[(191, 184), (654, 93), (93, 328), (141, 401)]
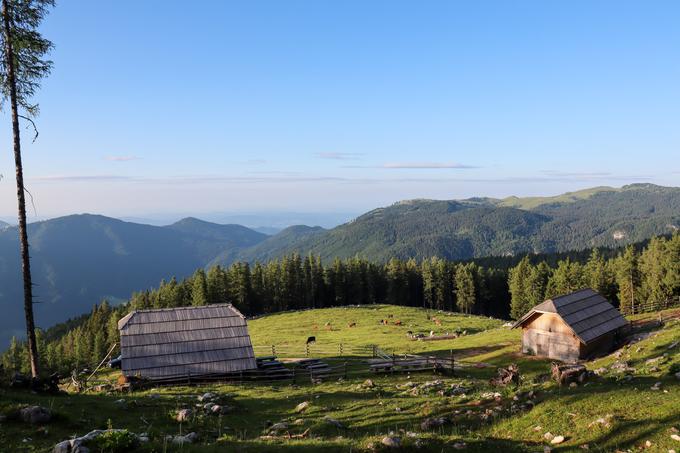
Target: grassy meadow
[(610, 413)]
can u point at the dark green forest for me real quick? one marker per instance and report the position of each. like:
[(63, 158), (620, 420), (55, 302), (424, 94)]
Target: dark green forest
[(637, 278)]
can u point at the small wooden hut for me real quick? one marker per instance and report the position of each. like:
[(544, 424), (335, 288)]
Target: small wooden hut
[(185, 342), (571, 327)]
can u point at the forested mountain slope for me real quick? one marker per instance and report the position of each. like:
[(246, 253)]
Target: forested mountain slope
[(78, 260), (479, 227)]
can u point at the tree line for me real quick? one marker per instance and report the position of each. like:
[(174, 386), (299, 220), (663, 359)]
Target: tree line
[(631, 279), (636, 279)]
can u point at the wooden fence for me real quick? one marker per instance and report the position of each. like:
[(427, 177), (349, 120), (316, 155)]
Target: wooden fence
[(339, 350), (653, 306)]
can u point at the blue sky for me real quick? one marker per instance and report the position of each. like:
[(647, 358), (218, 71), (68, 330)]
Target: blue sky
[(162, 107)]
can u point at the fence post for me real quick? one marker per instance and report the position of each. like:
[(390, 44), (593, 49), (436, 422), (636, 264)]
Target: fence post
[(307, 350), (345, 370), (341, 350), (453, 366), (274, 350)]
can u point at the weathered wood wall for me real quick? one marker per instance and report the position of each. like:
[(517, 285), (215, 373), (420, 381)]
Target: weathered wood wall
[(548, 336)]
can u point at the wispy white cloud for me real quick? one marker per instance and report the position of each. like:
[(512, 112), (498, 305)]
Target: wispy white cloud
[(282, 177), (251, 162), (121, 158), (75, 178), (339, 156), (424, 165), (576, 174)]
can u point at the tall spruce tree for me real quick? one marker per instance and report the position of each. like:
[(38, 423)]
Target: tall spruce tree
[(465, 288), (22, 66), (628, 279)]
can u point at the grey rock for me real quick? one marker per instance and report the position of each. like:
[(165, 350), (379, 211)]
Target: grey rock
[(183, 415), (391, 442), (62, 447), (432, 423), (278, 427), (302, 406), (206, 397), (35, 415), (334, 422)]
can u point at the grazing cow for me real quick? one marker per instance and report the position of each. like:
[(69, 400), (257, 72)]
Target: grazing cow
[(384, 322), (328, 326), (397, 322), (438, 322), (432, 333), (409, 333), (311, 340), (352, 324), (390, 316)]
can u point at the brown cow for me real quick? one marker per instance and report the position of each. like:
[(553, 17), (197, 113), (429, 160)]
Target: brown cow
[(438, 322), (397, 322), (352, 324)]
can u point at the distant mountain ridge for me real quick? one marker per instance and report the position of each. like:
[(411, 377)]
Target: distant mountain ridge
[(78, 260), (477, 227)]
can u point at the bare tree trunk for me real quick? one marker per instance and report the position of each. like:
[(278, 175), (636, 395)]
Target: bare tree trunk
[(23, 234)]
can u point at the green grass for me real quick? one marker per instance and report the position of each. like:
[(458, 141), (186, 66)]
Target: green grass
[(569, 197), (635, 412), (291, 330)]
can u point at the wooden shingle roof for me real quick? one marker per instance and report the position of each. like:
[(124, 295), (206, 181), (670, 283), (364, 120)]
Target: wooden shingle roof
[(185, 342), (586, 312)]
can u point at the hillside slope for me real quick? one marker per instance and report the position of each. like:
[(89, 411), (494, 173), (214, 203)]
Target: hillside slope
[(599, 217), (631, 410), (78, 260)]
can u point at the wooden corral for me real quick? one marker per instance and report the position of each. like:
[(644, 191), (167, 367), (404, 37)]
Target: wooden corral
[(185, 343), (571, 327)]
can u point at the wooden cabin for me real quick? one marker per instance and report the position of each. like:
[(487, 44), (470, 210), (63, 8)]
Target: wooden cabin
[(571, 327), (186, 342)]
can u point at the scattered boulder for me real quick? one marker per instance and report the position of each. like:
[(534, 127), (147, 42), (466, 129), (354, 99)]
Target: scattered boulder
[(302, 407), (35, 415), (183, 415), (656, 386), (432, 423), (557, 440), (206, 397), (656, 360), (391, 441), (276, 427), (181, 440), (675, 437), (459, 446), (77, 445), (334, 422)]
